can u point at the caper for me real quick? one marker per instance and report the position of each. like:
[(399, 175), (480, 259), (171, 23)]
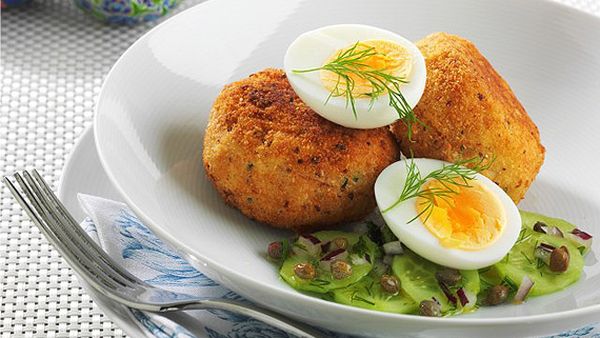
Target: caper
[(341, 269), (448, 276), (340, 243), (305, 270), (559, 259), (430, 308), (497, 295), (390, 284), (275, 250)]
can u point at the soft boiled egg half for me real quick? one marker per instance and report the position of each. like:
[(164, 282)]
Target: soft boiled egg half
[(471, 229), (377, 50)]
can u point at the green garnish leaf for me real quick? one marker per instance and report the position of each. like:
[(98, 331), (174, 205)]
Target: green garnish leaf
[(299, 246), (508, 282), (358, 298), (352, 62), (360, 248), (539, 263), (285, 251), (484, 270), (529, 260), (374, 233), (369, 288), (319, 282), (524, 235)]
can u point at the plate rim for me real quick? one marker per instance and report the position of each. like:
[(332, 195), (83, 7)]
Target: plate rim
[(128, 324), (192, 255), (120, 314)]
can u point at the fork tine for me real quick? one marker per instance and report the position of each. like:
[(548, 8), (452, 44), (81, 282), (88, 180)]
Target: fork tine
[(74, 227), (81, 263), (74, 242), (34, 217)]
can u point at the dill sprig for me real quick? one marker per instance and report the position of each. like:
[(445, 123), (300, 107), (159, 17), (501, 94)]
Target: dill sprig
[(524, 235), (357, 298), (450, 176), (319, 282), (508, 282), (529, 260), (351, 62)]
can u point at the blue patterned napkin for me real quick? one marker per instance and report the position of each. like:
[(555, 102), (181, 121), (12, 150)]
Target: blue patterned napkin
[(114, 226)]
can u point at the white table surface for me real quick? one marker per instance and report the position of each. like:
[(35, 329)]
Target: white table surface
[(52, 63)]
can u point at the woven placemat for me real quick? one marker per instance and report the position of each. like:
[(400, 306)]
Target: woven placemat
[(52, 64), (53, 60)]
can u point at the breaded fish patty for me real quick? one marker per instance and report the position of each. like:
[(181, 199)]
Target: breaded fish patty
[(279, 162), (469, 110)]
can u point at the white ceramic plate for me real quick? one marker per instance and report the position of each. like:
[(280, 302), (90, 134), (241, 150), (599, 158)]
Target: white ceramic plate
[(83, 173), (154, 105)]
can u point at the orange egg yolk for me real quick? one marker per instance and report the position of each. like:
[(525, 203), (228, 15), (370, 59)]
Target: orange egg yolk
[(386, 56), (472, 219)]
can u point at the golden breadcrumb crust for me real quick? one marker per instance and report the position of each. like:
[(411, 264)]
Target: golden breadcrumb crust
[(278, 162), (469, 110)]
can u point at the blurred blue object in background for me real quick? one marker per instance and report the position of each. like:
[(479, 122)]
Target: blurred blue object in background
[(13, 3), (126, 12)]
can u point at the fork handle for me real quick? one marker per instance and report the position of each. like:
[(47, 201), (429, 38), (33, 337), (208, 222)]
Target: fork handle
[(263, 315)]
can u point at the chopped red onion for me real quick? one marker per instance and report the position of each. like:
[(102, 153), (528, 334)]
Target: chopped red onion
[(357, 260), (581, 239), (540, 227), (311, 238), (448, 293), (326, 246), (462, 297), (307, 244), (335, 255), (523, 291), (581, 234), (393, 248), (543, 252), (472, 297), (545, 229), (555, 231), (546, 247)]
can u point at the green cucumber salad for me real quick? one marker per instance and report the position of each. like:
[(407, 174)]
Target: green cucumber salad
[(373, 270)]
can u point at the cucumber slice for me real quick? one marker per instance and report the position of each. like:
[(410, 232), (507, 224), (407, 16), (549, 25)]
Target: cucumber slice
[(530, 218), (520, 261), (368, 294), (417, 278), (324, 281)]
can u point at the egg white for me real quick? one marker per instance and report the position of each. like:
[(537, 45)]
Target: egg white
[(313, 48), (417, 237)]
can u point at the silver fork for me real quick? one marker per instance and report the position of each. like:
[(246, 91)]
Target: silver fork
[(106, 276)]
